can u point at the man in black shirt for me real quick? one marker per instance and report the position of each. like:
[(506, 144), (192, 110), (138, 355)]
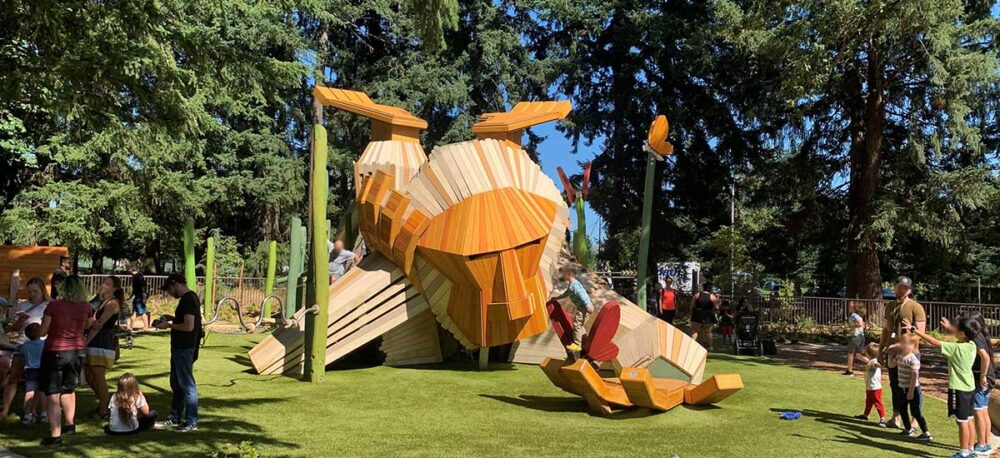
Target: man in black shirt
[(185, 337)]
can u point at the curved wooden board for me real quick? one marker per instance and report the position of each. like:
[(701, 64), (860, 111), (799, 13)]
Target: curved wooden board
[(598, 344)]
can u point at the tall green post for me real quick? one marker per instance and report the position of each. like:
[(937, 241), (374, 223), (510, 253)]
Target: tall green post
[(647, 217), (272, 267), (189, 273), (209, 277), (316, 322), (296, 255)]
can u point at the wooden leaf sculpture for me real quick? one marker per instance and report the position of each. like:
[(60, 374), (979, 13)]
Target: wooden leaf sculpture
[(586, 179)]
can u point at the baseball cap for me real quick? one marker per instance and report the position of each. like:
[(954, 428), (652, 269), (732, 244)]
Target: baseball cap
[(904, 281), (172, 280)]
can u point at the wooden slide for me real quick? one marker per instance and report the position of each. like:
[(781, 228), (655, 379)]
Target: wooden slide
[(369, 301), (29, 261)]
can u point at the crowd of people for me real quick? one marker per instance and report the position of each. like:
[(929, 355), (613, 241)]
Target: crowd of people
[(708, 310), (969, 357), (63, 335)]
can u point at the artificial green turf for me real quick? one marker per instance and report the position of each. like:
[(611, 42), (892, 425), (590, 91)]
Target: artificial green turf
[(454, 410)]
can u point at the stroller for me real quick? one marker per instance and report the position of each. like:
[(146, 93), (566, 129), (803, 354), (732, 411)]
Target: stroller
[(123, 332), (747, 341)]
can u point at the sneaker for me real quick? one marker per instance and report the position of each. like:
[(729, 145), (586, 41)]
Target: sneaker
[(907, 432), (861, 417), (573, 347), (926, 437), (960, 455), (983, 449), (27, 419), (68, 430), (52, 442), (166, 424), (186, 428), (43, 418), (891, 424), (882, 424), (847, 373)]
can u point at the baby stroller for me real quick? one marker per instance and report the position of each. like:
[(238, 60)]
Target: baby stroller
[(747, 341), (123, 332)]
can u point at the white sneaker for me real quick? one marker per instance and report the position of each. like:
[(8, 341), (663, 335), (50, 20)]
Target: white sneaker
[(43, 418), (27, 419)]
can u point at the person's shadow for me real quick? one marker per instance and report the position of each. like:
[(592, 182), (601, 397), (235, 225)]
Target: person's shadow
[(864, 433)]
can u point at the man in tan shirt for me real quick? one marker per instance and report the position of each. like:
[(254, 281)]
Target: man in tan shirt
[(904, 307)]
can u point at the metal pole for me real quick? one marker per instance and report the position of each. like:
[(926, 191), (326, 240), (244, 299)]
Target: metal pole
[(647, 216), (732, 237)]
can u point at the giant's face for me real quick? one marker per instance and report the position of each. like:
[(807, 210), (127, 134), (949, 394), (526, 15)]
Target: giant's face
[(489, 246), (471, 230)]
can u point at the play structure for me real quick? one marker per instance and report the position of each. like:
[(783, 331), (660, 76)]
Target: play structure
[(465, 246), (674, 384), (18, 264)]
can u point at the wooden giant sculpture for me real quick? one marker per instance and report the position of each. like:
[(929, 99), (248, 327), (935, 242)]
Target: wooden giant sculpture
[(467, 242), (471, 236)]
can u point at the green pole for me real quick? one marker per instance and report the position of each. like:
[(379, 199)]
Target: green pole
[(189, 273), (647, 216), (297, 252), (316, 323), (209, 277), (580, 248), (272, 267)]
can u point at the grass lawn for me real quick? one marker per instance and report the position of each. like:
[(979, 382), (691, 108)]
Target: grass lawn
[(508, 411)]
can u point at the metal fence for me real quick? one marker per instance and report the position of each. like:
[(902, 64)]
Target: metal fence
[(832, 311), (248, 291)]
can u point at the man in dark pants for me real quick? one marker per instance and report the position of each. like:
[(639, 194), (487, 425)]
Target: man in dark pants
[(185, 336), (905, 307)]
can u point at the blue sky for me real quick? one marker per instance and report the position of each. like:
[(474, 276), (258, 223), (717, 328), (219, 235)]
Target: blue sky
[(557, 151)]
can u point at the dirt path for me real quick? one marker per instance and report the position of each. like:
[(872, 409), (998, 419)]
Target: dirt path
[(833, 358)]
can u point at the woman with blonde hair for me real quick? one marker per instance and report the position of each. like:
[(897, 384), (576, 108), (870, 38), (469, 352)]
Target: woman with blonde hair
[(28, 312), (129, 410), (62, 357), (100, 355)]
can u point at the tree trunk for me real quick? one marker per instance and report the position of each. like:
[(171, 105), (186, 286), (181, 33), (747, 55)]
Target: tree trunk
[(866, 128)]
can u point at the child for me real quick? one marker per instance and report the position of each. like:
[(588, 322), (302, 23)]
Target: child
[(578, 295), (984, 375), (129, 411), (961, 386), (908, 365), (728, 321), (32, 353), (873, 384)]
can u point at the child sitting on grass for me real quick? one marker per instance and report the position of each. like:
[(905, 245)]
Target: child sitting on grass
[(129, 411), (31, 351), (961, 386), (909, 383), (873, 384)]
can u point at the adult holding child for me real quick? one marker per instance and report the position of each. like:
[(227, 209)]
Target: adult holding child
[(28, 312), (185, 336), (100, 354), (62, 357), (893, 331)]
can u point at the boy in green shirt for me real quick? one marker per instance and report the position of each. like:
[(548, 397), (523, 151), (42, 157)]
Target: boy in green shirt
[(961, 383)]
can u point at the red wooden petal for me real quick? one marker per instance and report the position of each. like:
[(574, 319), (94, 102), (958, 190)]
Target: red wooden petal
[(561, 322), (598, 344), (570, 193), (586, 179)]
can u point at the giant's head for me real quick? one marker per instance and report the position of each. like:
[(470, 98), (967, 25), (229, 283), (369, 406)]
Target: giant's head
[(477, 227)]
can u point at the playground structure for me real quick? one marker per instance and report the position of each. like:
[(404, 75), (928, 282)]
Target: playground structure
[(18, 264), (464, 245)]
